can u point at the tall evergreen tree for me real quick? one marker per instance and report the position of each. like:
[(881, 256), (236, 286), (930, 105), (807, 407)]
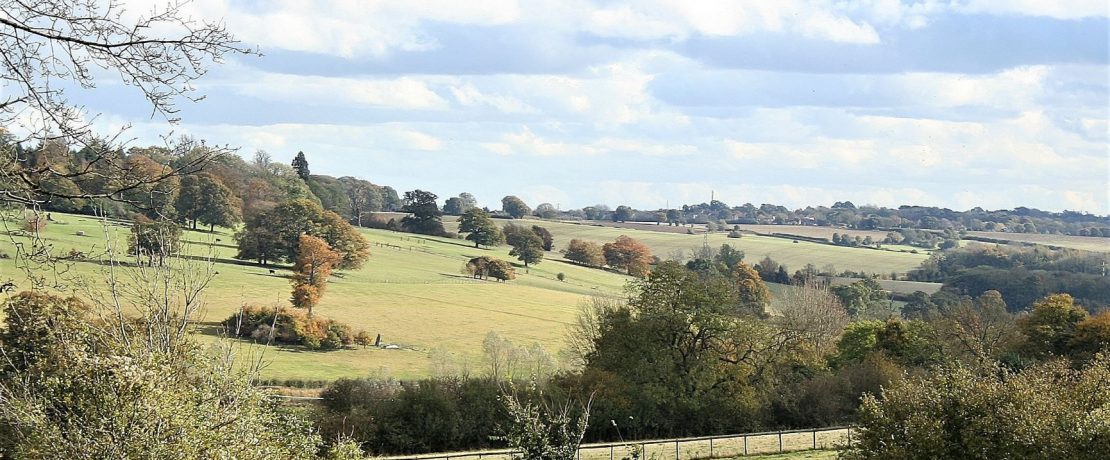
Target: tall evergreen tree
[(300, 164)]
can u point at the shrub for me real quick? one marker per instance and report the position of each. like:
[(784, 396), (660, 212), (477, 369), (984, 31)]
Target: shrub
[(736, 234), (561, 276), (291, 327)]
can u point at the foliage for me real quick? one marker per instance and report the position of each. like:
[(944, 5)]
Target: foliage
[(480, 228), (526, 244), (1048, 411), (155, 240), (622, 213), (315, 260), (628, 254), (584, 252), (541, 431), (274, 235), (1050, 328), (291, 327), (300, 164), (545, 236), (489, 267), (438, 415), (204, 198), (864, 298), (753, 296), (546, 211), (76, 387), (515, 207), (425, 218)]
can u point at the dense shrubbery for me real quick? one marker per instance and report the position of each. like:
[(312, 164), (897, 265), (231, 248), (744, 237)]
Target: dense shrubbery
[(1049, 411), (71, 386), (292, 326)]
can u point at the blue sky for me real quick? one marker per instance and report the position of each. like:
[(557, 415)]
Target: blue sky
[(992, 103)]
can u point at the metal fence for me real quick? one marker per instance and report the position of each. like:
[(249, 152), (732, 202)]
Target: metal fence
[(733, 445)]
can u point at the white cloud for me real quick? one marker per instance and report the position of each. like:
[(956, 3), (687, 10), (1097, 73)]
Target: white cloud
[(1071, 9), (421, 141), (400, 93)]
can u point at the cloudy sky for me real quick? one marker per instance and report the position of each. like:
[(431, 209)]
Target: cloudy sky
[(991, 103)]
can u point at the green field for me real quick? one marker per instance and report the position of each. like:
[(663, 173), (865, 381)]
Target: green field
[(784, 251), (1086, 243), (412, 291)]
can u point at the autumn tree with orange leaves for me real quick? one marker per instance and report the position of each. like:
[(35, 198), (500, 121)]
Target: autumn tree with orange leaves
[(315, 260), (628, 254)]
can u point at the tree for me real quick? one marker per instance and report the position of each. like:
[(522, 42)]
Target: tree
[(300, 165), (981, 329), (453, 206), (863, 296), (546, 211), (68, 364), (467, 201), (154, 239), (1051, 326), (274, 235), (315, 260), (207, 200), (425, 218), (674, 217), (485, 266), (728, 257), (753, 297), (515, 207), (622, 214), (480, 228), (545, 236), (362, 197), (628, 254), (584, 252), (527, 246), (1045, 412), (50, 46)]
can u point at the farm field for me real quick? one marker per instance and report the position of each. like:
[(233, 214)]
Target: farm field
[(813, 231), (412, 292), (1086, 243), (784, 251)]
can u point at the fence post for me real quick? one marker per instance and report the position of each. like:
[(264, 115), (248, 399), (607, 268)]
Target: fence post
[(745, 445), (780, 442), (814, 440), (610, 452), (710, 447), (849, 435), (676, 449)]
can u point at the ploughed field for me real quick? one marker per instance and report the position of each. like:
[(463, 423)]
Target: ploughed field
[(411, 291)]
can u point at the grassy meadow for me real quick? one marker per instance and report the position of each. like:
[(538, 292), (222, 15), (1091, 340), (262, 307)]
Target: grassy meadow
[(411, 291)]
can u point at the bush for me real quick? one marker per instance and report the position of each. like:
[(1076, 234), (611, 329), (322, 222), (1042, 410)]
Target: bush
[(736, 234), (561, 276), (1047, 411), (291, 327)]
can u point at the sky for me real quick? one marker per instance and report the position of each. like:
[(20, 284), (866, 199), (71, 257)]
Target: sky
[(650, 103)]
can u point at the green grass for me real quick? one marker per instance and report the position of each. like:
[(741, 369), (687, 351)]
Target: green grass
[(755, 247), (412, 291)]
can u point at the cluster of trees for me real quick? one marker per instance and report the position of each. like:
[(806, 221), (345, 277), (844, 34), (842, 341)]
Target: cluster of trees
[(1021, 274), (274, 235), (624, 253), (848, 215), (483, 267), (293, 327)]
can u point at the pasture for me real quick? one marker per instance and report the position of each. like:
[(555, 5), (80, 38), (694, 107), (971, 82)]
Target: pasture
[(1086, 243), (411, 291), (784, 251)]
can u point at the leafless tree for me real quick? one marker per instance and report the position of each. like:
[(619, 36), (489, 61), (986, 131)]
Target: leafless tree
[(50, 46), (813, 312)]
